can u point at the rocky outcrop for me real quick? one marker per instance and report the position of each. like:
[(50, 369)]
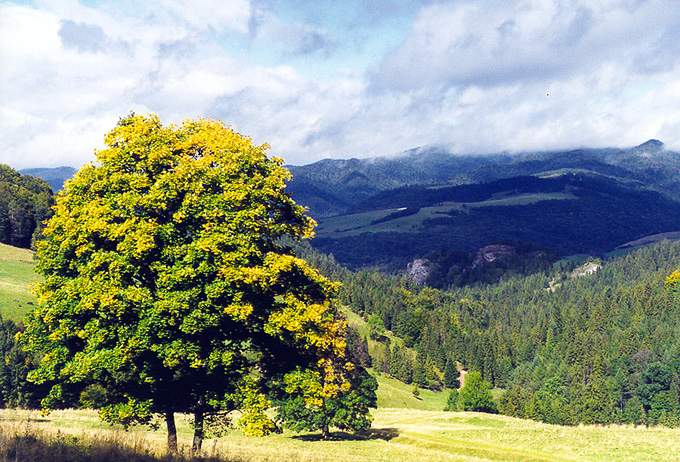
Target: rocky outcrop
[(586, 269), (492, 253), (419, 270)]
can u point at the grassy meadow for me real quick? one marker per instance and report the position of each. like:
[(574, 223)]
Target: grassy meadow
[(365, 222), (398, 435), (17, 278)]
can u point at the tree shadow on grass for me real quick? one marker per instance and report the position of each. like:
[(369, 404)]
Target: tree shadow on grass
[(384, 434)]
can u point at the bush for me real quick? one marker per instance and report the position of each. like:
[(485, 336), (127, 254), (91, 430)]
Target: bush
[(476, 394)]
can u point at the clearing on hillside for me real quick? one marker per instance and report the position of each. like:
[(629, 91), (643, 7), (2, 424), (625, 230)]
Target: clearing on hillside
[(17, 278)]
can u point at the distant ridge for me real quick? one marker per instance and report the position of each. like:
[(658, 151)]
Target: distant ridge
[(55, 177)]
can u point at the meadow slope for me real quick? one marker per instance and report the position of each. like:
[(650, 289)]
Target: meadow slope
[(17, 279), (398, 435)]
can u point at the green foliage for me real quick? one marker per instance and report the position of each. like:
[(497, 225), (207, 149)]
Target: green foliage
[(452, 403), (357, 347), (634, 412), (301, 407), (15, 390), (25, 203), (93, 396), (577, 354), (376, 327), (476, 394), (166, 280), (451, 375)]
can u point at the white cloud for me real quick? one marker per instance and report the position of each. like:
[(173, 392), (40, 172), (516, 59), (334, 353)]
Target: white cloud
[(483, 76)]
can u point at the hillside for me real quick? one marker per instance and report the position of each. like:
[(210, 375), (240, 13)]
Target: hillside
[(55, 177), (25, 202), (428, 203), (563, 214), (17, 277)]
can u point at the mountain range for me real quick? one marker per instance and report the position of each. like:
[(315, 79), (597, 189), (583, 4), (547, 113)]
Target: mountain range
[(444, 209)]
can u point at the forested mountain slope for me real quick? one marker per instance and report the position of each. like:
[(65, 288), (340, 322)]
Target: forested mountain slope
[(467, 219), (55, 177), (561, 214), (601, 348), (25, 202), (332, 186)]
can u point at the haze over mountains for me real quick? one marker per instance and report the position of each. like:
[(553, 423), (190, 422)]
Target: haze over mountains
[(445, 208)]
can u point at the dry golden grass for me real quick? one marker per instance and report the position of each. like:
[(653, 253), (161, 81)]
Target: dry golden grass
[(400, 435)]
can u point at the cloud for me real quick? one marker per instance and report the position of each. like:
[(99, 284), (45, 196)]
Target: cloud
[(292, 38), (491, 42), (82, 37), (479, 76)]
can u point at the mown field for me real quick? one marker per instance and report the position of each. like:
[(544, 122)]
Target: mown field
[(398, 435)]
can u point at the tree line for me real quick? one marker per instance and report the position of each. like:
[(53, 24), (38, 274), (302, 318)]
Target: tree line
[(25, 202)]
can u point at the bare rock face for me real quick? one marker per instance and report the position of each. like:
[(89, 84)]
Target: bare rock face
[(419, 270), (586, 269), (492, 253)]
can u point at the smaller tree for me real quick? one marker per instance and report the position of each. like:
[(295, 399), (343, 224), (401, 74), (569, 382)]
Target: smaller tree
[(376, 328), (452, 403), (419, 375), (302, 403), (634, 412), (476, 394), (416, 391), (358, 348), (451, 375)]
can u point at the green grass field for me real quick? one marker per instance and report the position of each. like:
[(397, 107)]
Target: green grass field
[(17, 278), (398, 435), (357, 223)]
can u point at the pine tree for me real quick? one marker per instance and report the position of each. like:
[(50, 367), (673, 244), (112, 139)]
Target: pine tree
[(451, 375)]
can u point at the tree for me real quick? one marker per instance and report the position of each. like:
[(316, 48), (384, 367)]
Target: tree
[(634, 411), (476, 394), (376, 328), (452, 401), (304, 406), (451, 375), (15, 391), (166, 280), (357, 347)]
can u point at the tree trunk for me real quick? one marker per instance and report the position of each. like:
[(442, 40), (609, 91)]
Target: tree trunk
[(325, 433), (198, 432), (172, 432)]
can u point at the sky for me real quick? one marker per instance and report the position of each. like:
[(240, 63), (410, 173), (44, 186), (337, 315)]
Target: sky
[(341, 78)]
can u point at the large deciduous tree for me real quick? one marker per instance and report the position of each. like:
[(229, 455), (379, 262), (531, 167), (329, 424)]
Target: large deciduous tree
[(167, 283)]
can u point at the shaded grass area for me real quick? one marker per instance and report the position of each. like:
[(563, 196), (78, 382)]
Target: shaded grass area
[(398, 435), (17, 279), (390, 220)]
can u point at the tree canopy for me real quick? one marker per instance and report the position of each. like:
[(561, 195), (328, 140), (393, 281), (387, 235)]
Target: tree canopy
[(25, 203), (166, 280)]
